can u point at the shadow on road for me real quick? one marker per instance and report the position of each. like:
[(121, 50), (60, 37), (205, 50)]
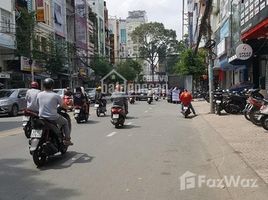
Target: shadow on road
[(4, 126), (130, 126), (131, 117), (67, 160), (22, 183)]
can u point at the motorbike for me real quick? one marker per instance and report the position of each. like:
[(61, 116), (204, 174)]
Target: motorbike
[(118, 116), (47, 138), (68, 101), (131, 100), (149, 100), (186, 110), (155, 97), (80, 114), (263, 117), (27, 122), (218, 101), (100, 108)]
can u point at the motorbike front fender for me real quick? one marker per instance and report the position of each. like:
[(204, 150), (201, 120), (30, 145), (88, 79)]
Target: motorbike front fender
[(34, 144)]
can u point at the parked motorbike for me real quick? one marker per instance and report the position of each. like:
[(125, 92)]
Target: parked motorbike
[(218, 101), (47, 139), (80, 114), (27, 122), (68, 101), (100, 108), (263, 117), (118, 116)]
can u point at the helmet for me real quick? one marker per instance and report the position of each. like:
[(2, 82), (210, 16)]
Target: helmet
[(34, 85), (98, 88), (48, 83)]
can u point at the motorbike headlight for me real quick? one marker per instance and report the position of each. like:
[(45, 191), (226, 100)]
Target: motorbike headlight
[(3, 102)]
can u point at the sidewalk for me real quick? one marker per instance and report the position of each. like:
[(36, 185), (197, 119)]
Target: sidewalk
[(248, 140)]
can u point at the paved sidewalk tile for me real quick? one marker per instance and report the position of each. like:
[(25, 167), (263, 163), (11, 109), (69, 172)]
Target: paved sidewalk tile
[(250, 141)]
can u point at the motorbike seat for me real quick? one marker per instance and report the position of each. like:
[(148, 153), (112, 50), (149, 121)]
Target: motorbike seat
[(51, 125)]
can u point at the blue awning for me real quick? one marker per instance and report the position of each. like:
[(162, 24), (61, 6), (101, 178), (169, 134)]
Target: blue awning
[(225, 65)]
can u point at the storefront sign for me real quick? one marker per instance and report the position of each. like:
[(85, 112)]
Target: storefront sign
[(4, 75), (25, 66), (244, 51), (221, 48)]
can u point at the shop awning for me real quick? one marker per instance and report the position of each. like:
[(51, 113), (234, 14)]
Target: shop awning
[(259, 31), (237, 62)]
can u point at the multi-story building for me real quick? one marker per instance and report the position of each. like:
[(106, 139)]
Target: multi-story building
[(114, 29), (98, 9), (123, 51), (7, 39), (135, 19)]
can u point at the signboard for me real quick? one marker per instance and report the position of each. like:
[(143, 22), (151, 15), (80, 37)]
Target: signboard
[(80, 24), (40, 11), (25, 66), (58, 18), (221, 48), (4, 75), (244, 51), (252, 13)]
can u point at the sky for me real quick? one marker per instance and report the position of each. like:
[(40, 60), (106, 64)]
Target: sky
[(168, 12)]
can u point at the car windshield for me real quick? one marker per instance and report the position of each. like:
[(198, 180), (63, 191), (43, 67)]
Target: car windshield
[(90, 90), (58, 91), (5, 93)]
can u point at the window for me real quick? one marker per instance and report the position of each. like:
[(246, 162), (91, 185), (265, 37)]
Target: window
[(5, 21)]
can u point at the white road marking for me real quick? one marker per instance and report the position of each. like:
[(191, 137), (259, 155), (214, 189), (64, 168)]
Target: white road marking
[(129, 123), (150, 108), (111, 134), (73, 159), (10, 132), (146, 111)]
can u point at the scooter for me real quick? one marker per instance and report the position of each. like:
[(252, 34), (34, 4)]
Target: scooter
[(186, 110), (27, 122), (100, 108), (47, 139), (80, 115), (131, 100), (118, 116), (149, 100)]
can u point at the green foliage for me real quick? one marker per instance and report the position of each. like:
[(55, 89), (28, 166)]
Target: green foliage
[(130, 69), (155, 42), (101, 66), (24, 32), (191, 64)]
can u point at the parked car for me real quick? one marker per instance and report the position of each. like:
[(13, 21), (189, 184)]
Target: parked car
[(12, 101), (91, 92)]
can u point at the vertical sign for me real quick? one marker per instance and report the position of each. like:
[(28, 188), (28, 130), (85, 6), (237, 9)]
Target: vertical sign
[(40, 11)]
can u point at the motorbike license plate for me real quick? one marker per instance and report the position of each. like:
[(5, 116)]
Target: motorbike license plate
[(97, 105), (185, 108), (36, 133), (218, 101), (115, 116), (25, 118), (76, 111)]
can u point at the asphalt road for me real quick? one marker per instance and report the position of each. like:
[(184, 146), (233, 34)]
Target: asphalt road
[(143, 160)]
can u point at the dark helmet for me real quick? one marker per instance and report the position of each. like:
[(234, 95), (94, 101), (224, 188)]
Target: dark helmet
[(34, 85), (78, 89), (48, 83)]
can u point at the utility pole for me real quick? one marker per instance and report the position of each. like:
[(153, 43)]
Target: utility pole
[(31, 55)]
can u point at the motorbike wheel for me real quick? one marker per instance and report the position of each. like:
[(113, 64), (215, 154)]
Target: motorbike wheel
[(218, 110), (39, 158), (27, 131), (64, 150), (254, 117), (246, 115), (264, 122), (117, 125), (78, 121), (86, 117), (232, 109), (98, 112)]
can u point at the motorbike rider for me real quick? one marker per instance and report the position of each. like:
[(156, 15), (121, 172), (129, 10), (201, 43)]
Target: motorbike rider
[(68, 92), (99, 97), (48, 102), (31, 97), (150, 93), (119, 98), (81, 100), (186, 98)]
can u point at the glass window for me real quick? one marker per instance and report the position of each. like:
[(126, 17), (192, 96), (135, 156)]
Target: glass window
[(5, 21)]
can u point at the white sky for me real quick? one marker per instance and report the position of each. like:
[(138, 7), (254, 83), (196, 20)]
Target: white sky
[(168, 12)]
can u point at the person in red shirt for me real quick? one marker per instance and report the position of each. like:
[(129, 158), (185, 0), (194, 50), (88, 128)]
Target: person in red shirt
[(186, 98)]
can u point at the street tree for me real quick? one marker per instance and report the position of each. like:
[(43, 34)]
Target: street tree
[(192, 64), (101, 66), (130, 69), (154, 42)]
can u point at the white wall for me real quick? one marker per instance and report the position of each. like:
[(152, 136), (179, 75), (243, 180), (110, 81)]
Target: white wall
[(6, 5)]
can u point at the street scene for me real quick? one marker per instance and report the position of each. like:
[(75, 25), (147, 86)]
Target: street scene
[(109, 100)]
